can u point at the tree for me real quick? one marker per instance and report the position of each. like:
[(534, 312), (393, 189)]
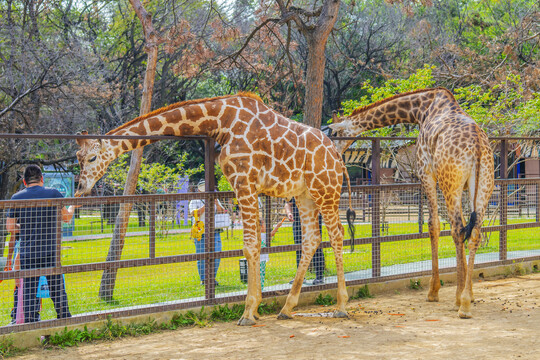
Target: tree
[(47, 79), (315, 26), (368, 39), (108, 279)]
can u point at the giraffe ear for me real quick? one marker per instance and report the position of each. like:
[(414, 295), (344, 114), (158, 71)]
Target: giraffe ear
[(81, 142), (335, 118)]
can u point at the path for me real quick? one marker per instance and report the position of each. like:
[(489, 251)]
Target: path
[(396, 325)]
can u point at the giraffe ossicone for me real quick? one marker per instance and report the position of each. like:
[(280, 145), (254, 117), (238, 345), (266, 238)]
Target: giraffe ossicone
[(262, 152), (453, 151)]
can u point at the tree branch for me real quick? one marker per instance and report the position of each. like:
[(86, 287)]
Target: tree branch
[(235, 55)]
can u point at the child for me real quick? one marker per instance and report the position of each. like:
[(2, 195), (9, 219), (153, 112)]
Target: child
[(13, 263)]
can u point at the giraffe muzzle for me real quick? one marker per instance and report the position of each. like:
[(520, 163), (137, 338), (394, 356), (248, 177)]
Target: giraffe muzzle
[(82, 189)]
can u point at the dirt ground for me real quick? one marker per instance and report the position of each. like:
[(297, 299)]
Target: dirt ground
[(397, 325)]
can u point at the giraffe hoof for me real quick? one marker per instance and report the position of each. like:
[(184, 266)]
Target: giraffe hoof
[(245, 322), (282, 316), (341, 314), (433, 298), (464, 315)]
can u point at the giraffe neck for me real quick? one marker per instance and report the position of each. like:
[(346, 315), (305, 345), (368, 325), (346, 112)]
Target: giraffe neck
[(416, 107), (408, 109), (183, 119)]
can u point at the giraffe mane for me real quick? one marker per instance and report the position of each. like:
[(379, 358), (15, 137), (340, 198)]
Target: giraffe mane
[(184, 103), (361, 109)]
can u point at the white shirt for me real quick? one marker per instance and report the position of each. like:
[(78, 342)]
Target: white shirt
[(218, 218)]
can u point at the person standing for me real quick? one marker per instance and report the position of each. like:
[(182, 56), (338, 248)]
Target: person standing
[(318, 258), (37, 229), (196, 209)]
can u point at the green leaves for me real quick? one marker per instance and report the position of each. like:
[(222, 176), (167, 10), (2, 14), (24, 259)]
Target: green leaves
[(325, 300), (421, 79), (114, 330), (362, 293), (153, 178), (505, 109)]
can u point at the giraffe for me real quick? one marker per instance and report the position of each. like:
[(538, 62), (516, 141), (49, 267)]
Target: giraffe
[(451, 150), (262, 152)]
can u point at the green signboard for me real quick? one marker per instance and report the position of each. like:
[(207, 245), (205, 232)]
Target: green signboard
[(65, 183)]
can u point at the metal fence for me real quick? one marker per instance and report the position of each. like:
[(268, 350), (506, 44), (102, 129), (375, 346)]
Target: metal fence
[(159, 267)]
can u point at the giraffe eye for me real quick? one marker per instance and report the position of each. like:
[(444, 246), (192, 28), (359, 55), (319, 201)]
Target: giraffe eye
[(92, 159)]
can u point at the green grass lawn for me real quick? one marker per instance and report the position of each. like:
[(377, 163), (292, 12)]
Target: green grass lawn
[(171, 282)]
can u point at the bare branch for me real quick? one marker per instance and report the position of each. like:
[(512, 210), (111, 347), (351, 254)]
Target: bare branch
[(246, 42)]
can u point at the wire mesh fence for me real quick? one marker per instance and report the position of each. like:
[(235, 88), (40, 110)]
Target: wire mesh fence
[(87, 270)]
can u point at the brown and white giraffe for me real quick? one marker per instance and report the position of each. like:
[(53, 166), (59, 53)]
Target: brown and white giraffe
[(262, 152), (451, 150)]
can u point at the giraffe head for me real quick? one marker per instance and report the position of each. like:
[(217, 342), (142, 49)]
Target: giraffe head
[(93, 159), (343, 126)]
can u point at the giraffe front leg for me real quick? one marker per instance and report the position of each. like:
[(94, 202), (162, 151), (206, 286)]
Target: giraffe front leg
[(254, 295), (252, 248), (253, 299)]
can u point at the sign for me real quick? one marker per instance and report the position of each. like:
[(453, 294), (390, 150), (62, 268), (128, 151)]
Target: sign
[(65, 183)]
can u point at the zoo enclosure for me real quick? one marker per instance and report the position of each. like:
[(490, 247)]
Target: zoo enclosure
[(158, 263)]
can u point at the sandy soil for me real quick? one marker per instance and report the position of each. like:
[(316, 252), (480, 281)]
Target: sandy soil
[(506, 325)]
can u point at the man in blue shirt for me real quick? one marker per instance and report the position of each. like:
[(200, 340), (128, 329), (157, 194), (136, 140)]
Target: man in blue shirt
[(37, 230)]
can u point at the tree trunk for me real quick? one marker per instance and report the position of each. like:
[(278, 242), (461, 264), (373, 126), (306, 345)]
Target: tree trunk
[(316, 38), (108, 280), (314, 82)]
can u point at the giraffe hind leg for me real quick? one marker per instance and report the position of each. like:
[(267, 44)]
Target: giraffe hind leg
[(434, 228), (309, 246), (467, 294), (335, 232), (485, 189), (311, 238)]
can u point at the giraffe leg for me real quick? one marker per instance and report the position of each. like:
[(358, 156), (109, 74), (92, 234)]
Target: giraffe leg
[(335, 232), (453, 204), (430, 187), (467, 293), (311, 238), (252, 252), (484, 189), (461, 262)]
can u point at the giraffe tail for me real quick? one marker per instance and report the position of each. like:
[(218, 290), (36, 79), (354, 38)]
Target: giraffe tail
[(351, 214), (467, 230)]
